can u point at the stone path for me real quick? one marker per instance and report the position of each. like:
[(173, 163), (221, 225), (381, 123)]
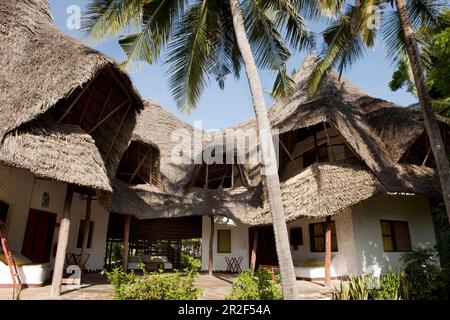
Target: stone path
[(215, 287)]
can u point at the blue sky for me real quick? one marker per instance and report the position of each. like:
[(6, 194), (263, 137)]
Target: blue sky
[(222, 108)]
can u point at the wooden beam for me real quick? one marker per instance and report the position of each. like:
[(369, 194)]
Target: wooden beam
[(74, 102), (86, 230), (126, 242), (211, 245), (63, 238), (107, 117), (117, 131), (206, 178), (105, 104), (328, 252), (254, 249), (241, 174), (140, 165), (426, 156), (285, 149), (86, 106), (329, 142)]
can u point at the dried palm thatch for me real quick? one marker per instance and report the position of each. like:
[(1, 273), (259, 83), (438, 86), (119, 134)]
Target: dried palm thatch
[(160, 128), (376, 131), (64, 153), (48, 75)]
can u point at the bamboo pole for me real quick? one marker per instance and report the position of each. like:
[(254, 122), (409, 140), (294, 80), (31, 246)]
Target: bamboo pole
[(126, 242), (254, 249), (86, 230), (328, 252), (211, 244), (63, 238)]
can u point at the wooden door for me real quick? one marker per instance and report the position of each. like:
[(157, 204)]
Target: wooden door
[(37, 243), (266, 253)]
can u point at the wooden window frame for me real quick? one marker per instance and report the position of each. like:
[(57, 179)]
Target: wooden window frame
[(219, 231), (300, 237), (394, 236), (312, 236)]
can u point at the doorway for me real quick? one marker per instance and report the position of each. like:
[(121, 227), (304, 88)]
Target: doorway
[(37, 243), (266, 253)]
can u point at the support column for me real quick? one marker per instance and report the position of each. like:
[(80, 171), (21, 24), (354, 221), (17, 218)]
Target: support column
[(211, 244), (86, 231), (63, 238), (328, 252), (254, 248), (126, 242)]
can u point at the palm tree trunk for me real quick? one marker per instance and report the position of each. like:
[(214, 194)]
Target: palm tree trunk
[(430, 121), (268, 159)]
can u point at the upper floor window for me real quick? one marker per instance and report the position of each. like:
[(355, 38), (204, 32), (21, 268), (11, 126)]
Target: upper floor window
[(219, 175), (139, 164), (395, 236), (303, 147)]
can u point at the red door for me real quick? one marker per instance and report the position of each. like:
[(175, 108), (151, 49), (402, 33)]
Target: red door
[(37, 243)]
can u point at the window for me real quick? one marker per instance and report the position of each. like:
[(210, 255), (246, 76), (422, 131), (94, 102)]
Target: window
[(3, 211), (224, 241), (81, 234), (317, 235), (296, 237), (395, 236)]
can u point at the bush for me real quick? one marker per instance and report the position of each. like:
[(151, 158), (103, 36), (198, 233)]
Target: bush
[(259, 285), (367, 287), (424, 278), (389, 287), (191, 263), (154, 286)]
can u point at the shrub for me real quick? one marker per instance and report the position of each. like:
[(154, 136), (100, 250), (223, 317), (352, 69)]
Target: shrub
[(389, 287), (424, 278), (367, 287), (154, 286), (259, 285), (191, 263)]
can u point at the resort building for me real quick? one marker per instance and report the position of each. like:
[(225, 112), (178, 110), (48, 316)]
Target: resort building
[(85, 164)]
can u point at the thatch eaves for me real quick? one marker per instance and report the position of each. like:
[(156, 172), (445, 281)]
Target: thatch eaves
[(63, 153), (48, 75)]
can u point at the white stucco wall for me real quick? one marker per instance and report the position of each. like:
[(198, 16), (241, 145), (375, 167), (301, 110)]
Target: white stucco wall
[(342, 261), (239, 243), (367, 229), (21, 191)]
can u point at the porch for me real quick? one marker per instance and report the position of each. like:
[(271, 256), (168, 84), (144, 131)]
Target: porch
[(216, 287)]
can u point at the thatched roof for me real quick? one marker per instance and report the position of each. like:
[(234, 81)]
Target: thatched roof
[(49, 76), (160, 128), (64, 153), (377, 131)]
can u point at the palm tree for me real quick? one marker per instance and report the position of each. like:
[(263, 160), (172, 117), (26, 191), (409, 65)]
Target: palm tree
[(347, 37), (213, 37)]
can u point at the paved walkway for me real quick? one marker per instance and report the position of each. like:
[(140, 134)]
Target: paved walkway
[(216, 287)]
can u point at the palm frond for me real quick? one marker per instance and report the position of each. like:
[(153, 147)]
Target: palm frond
[(158, 20), (288, 18), (267, 44), (345, 42), (190, 55), (283, 85), (103, 18)]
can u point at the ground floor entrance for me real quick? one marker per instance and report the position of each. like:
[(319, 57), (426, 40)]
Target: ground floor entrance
[(159, 240), (266, 254)]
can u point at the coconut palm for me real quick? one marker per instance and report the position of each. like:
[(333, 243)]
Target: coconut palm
[(347, 37), (207, 38)]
